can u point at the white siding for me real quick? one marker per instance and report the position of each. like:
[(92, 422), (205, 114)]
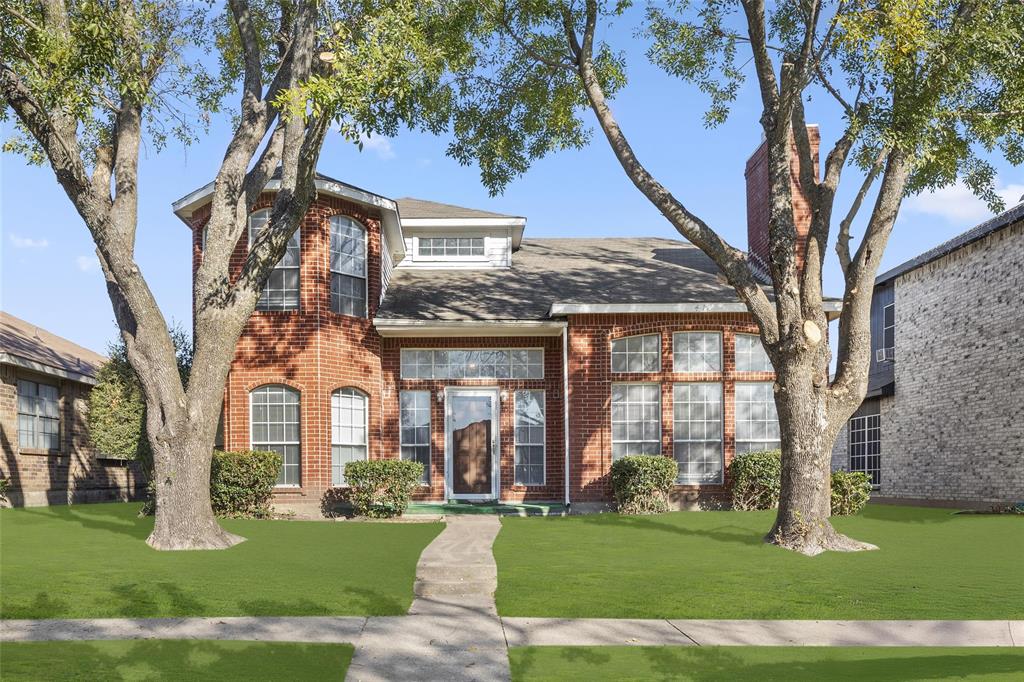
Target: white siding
[(497, 249)]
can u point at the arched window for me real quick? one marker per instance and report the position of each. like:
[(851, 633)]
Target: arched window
[(348, 266), (282, 289), (348, 430), (274, 426)]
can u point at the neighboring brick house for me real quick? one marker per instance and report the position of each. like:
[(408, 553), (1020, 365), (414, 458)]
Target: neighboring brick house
[(514, 369), (44, 386), (943, 421)]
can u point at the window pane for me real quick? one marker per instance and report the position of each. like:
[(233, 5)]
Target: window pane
[(483, 363), (274, 426), (866, 446), (697, 432), (414, 429), (637, 354), (281, 291), (636, 419), (697, 351), (450, 247), (750, 354), (529, 437), (757, 421)]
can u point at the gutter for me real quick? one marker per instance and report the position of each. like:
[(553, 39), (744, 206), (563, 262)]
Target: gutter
[(25, 363), (831, 308)]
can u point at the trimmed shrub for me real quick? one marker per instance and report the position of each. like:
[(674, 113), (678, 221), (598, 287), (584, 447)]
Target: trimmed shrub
[(851, 490), (381, 488), (641, 483), (756, 480), (241, 483)]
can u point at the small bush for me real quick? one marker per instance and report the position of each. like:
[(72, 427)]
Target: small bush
[(850, 492), (756, 480), (381, 488), (641, 483), (242, 483)]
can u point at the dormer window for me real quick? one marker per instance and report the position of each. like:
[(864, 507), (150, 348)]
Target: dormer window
[(450, 247)]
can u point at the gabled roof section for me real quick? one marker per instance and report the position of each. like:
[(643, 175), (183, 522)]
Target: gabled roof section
[(26, 345), (999, 222), (412, 208)]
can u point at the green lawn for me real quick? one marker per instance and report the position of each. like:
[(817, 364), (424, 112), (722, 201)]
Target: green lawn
[(932, 565), (91, 561), (789, 664), (156, 659)]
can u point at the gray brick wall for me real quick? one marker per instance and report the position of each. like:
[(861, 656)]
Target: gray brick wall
[(955, 428)]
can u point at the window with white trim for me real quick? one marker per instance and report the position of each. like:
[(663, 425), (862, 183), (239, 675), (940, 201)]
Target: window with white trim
[(750, 354), (38, 416), (348, 266), (637, 354), (636, 420), (529, 438), (866, 446), (281, 291), (414, 429), (349, 413), (757, 422), (889, 326), (697, 432), (450, 247), (483, 363), (697, 352), (274, 427)]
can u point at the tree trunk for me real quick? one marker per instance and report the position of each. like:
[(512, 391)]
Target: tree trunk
[(184, 517), (808, 435)]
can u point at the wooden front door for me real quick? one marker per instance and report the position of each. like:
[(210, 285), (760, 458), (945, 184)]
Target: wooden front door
[(471, 431)]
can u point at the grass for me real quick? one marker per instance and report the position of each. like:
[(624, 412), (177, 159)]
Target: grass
[(91, 561), (789, 664), (931, 565), (156, 659)]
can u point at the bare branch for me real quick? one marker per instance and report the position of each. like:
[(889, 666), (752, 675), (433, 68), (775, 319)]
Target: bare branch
[(843, 238)]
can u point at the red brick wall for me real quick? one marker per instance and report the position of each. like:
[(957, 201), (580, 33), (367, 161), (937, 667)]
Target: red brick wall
[(590, 380)]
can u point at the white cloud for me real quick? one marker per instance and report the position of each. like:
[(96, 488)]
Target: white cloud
[(87, 263), (381, 146), (957, 204), (28, 243)]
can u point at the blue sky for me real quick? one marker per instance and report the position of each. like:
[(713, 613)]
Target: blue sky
[(51, 278)]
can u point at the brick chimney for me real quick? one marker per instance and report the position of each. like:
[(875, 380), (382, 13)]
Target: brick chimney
[(757, 200)]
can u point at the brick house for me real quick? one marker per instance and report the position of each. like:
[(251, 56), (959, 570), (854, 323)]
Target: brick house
[(44, 385), (514, 369), (943, 420)]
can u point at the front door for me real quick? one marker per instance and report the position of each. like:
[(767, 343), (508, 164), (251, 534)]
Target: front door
[(472, 443)]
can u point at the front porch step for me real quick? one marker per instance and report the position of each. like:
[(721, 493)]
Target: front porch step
[(436, 588)]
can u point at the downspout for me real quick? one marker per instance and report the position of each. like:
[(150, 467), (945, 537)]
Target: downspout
[(565, 406)]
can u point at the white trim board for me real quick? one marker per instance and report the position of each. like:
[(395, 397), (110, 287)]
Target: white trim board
[(49, 370), (449, 328), (560, 309)]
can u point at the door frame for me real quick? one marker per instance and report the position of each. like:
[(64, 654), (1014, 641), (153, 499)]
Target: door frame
[(495, 394)]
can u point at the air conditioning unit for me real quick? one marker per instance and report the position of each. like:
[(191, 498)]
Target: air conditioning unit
[(885, 355)]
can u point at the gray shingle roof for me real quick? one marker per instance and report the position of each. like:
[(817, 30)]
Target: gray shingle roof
[(25, 340), (409, 207), (545, 271)]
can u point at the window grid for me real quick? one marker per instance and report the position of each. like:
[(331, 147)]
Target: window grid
[(274, 426), (750, 354), (529, 438), (281, 291), (697, 432), (889, 326), (697, 352), (636, 420), (637, 354), (349, 416), (414, 427), (348, 267), (866, 446), (757, 422), (450, 247), (485, 363), (38, 416)]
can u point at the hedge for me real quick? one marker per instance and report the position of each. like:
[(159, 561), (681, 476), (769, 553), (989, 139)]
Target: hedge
[(641, 483), (242, 483), (381, 488), (756, 480), (851, 490)]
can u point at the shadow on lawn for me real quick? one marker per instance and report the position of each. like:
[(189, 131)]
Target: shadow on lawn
[(740, 535), (123, 521), (905, 514)]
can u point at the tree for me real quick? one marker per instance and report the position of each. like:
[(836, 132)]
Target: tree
[(926, 88), (90, 81)]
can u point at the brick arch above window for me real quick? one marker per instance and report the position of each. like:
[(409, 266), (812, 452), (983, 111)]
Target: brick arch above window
[(274, 381)]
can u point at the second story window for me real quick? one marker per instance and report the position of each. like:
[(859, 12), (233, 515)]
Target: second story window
[(450, 247), (282, 289), (637, 354), (348, 266), (889, 331)]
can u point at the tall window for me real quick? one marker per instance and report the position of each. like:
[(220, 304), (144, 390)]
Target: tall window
[(637, 354), (889, 326), (697, 432), (636, 419), (448, 247), (348, 431), (757, 422), (697, 352), (866, 446), (348, 266), (529, 463), (38, 416), (415, 429), (274, 426), (282, 289), (750, 354)]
